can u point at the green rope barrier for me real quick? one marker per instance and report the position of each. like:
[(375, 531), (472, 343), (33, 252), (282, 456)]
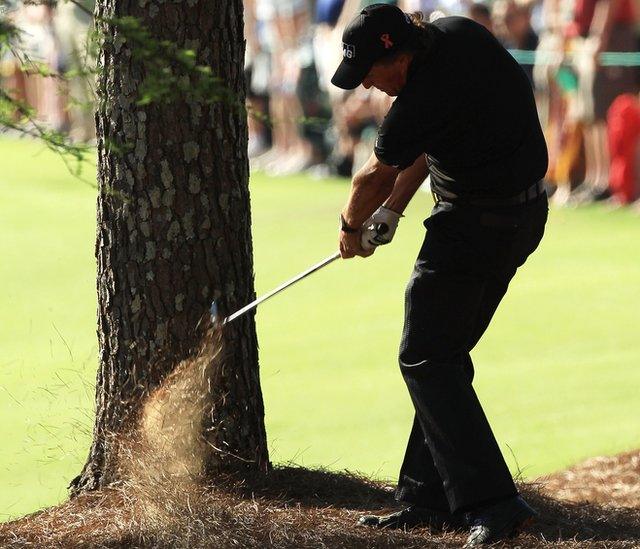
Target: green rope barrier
[(607, 58)]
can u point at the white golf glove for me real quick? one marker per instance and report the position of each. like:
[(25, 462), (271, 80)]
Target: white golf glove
[(379, 228)]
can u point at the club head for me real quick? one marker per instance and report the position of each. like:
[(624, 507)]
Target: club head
[(216, 319), (214, 312)]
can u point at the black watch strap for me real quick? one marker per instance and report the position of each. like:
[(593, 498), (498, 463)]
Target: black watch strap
[(344, 227)]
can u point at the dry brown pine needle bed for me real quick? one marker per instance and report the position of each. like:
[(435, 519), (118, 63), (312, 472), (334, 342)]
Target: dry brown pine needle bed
[(162, 504), (295, 507)]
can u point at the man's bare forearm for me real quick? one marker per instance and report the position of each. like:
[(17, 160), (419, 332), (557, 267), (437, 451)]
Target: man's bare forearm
[(376, 184), (370, 187), (406, 185)]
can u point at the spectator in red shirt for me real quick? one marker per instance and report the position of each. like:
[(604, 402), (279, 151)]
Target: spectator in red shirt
[(598, 26)]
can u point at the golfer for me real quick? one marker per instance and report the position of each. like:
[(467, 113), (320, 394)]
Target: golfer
[(464, 114)]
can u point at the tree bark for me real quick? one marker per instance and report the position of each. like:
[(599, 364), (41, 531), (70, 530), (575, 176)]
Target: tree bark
[(173, 233)]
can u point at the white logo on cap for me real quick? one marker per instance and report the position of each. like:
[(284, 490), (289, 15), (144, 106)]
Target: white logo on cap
[(348, 51)]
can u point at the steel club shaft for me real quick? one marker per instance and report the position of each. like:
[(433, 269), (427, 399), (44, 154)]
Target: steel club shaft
[(280, 288)]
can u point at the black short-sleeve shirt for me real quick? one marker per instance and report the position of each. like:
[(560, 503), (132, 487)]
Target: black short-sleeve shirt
[(469, 107)]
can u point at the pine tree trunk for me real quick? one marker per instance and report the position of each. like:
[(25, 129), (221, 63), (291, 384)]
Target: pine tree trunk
[(173, 231)]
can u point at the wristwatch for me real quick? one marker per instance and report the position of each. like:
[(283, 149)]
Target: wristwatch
[(344, 227)]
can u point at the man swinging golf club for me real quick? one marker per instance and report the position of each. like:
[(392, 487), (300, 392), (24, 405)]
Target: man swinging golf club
[(464, 113)]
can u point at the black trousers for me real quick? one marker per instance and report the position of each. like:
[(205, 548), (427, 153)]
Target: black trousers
[(464, 267)]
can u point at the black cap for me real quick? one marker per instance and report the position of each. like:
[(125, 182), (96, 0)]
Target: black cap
[(377, 31)]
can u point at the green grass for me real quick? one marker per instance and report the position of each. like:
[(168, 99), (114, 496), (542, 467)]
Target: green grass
[(557, 371)]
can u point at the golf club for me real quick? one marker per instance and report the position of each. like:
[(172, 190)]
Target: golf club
[(283, 286)]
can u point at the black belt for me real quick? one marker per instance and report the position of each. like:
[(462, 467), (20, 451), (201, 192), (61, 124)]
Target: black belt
[(528, 195)]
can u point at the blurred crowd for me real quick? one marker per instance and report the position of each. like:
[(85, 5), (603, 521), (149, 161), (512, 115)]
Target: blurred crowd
[(581, 57), (53, 41), (588, 102)]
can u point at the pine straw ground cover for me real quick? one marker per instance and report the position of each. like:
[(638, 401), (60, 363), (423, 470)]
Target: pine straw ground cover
[(162, 500), (295, 507)]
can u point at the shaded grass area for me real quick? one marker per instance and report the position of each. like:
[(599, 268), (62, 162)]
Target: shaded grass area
[(557, 371), (291, 508)]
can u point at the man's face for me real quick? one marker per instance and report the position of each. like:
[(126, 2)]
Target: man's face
[(389, 78)]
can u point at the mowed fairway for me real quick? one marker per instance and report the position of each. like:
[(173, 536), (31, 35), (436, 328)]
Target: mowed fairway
[(557, 371)]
